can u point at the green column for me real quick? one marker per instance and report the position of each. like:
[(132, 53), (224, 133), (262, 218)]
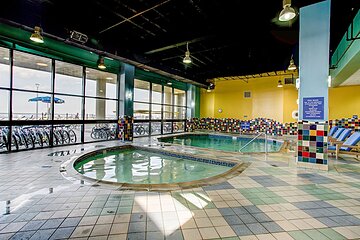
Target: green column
[(127, 90)]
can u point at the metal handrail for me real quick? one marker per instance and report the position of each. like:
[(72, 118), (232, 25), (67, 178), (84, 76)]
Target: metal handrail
[(253, 139)]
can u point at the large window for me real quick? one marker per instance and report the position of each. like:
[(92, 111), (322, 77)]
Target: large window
[(61, 103), (4, 67), (101, 95), (31, 72), (158, 109)]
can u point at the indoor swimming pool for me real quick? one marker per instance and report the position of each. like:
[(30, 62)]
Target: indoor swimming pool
[(224, 143)]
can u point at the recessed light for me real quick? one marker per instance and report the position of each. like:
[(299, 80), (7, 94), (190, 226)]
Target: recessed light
[(109, 78), (169, 83), (6, 58), (87, 71), (41, 64)]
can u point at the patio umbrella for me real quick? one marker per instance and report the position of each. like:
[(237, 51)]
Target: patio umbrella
[(46, 99)]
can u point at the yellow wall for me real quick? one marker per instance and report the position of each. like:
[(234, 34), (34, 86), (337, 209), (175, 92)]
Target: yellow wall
[(269, 101), (206, 103), (290, 103), (344, 102)]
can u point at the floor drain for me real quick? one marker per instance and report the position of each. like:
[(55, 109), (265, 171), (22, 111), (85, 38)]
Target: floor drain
[(45, 166), (110, 211), (274, 165)]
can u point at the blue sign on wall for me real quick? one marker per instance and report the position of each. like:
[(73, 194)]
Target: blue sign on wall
[(245, 126), (313, 108)]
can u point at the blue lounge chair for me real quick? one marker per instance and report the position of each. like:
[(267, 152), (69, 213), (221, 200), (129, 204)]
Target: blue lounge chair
[(333, 130), (337, 133), (348, 147), (344, 133)]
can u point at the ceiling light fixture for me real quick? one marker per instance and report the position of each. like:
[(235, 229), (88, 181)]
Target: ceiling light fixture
[(169, 83), (208, 89), (36, 35), (288, 12), (280, 85), (292, 65), (101, 63), (187, 59)]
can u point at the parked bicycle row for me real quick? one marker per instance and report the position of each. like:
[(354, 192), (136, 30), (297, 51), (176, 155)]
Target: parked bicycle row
[(142, 129), (27, 137), (103, 131)]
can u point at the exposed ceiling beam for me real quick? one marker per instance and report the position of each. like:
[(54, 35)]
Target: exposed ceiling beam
[(134, 16), (121, 16), (176, 45), (143, 17)]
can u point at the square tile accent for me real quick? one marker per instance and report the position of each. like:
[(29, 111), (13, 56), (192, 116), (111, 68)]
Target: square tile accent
[(312, 142)]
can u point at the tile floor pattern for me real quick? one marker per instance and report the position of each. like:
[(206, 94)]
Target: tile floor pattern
[(271, 199)]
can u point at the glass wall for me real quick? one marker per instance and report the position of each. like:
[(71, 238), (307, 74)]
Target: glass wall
[(100, 95), (158, 109), (54, 102)]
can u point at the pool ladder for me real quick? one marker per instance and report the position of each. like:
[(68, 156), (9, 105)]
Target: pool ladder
[(253, 139)]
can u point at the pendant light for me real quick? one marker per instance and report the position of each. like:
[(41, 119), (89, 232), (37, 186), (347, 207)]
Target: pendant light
[(288, 12), (187, 59), (280, 85), (36, 35), (101, 63), (292, 65)]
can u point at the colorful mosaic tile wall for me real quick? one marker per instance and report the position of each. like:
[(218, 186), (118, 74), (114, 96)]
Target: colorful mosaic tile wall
[(312, 142), (232, 125), (125, 125), (352, 123)]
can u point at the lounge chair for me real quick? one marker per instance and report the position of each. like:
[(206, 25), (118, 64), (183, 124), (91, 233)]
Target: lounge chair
[(333, 130), (336, 134), (345, 132), (348, 147)]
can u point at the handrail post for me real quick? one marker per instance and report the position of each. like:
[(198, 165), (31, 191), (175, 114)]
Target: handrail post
[(266, 146)]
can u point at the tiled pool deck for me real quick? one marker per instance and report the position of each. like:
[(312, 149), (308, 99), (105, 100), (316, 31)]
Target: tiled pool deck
[(271, 199)]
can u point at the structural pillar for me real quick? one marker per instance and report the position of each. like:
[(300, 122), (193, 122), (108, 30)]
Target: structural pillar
[(313, 91), (126, 105)]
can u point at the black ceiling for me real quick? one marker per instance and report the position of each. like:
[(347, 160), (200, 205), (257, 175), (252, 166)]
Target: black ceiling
[(227, 37)]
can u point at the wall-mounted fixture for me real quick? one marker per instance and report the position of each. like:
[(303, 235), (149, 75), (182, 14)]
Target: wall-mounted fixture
[(101, 63), (78, 36), (36, 35), (292, 65), (187, 59), (210, 87), (280, 85), (288, 12)]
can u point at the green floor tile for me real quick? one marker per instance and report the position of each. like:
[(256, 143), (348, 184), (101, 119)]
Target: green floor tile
[(316, 235), (299, 235), (321, 192), (256, 201), (330, 233)]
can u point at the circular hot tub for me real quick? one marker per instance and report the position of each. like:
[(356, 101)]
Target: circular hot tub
[(138, 167)]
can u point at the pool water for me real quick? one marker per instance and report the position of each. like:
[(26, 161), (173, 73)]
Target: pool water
[(224, 143), (145, 167)]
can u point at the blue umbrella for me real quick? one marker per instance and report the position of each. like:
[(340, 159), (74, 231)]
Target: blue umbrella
[(46, 99)]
